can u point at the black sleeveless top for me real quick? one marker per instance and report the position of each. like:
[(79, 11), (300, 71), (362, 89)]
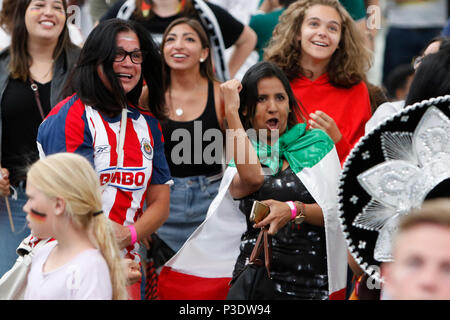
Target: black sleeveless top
[(299, 264), (188, 151), (20, 122)]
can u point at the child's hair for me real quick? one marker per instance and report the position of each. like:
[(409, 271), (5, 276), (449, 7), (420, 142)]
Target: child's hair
[(349, 62), (71, 177)]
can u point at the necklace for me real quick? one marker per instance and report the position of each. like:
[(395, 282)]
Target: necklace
[(44, 77), (178, 111)]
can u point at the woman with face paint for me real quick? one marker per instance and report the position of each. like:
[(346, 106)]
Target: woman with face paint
[(64, 203), (321, 51), (32, 72), (103, 122)]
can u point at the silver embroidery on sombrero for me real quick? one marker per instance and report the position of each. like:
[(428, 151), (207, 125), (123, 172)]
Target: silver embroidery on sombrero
[(414, 165)]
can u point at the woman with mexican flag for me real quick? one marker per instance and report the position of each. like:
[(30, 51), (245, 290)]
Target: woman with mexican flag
[(288, 167)]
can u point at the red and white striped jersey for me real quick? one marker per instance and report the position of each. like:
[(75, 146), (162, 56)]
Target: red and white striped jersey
[(74, 127)]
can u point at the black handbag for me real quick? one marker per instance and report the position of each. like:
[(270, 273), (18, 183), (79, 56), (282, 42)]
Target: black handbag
[(157, 256), (159, 251), (254, 281)]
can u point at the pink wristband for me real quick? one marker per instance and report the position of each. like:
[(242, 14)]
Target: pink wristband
[(291, 205), (133, 234)]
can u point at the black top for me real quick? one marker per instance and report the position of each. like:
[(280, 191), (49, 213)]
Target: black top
[(299, 264), (21, 119), (230, 27), (187, 150)]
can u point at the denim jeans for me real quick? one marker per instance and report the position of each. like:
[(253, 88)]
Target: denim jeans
[(9, 241), (190, 198)]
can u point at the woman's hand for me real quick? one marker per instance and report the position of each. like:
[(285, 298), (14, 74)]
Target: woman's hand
[(320, 120), (132, 271), (279, 216), (4, 182), (230, 91), (123, 235)]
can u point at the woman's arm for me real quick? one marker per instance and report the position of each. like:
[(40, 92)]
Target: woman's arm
[(4, 182), (280, 215), (250, 176), (156, 213), (244, 45), (220, 106)]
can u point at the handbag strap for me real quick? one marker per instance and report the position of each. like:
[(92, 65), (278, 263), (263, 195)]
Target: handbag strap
[(34, 87), (254, 256), (267, 250), (264, 240), (121, 142)]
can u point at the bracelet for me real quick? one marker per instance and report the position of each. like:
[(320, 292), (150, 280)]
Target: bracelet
[(133, 233), (293, 209)]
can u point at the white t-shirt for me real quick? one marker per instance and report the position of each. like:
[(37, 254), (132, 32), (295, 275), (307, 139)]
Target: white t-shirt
[(85, 277)]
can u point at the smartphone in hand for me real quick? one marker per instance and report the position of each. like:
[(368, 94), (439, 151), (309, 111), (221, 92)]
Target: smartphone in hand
[(259, 211)]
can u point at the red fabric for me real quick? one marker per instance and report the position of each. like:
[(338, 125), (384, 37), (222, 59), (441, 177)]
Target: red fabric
[(173, 285), (349, 108), (338, 295), (74, 127), (151, 281), (134, 291)]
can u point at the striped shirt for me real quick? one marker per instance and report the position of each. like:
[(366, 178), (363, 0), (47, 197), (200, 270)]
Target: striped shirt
[(74, 127)]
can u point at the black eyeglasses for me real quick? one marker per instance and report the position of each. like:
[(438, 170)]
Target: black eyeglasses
[(137, 57)]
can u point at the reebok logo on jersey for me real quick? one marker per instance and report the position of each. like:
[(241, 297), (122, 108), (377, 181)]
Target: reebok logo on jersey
[(102, 149)]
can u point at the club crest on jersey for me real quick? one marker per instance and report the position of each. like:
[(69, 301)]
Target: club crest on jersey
[(147, 149)]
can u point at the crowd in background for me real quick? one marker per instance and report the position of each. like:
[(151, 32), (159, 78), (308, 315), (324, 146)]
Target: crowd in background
[(121, 81)]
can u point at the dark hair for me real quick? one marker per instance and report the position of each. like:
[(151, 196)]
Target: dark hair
[(206, 68), (286, 3), (20, 59), (377, 95), (249, 93), (398, 78), (100, 49), (7, 15), (441, 190), (440, 39), (432, 78), (445, 44)]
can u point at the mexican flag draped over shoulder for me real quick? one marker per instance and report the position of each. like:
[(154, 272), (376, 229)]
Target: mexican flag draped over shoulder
[(203, 267)]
